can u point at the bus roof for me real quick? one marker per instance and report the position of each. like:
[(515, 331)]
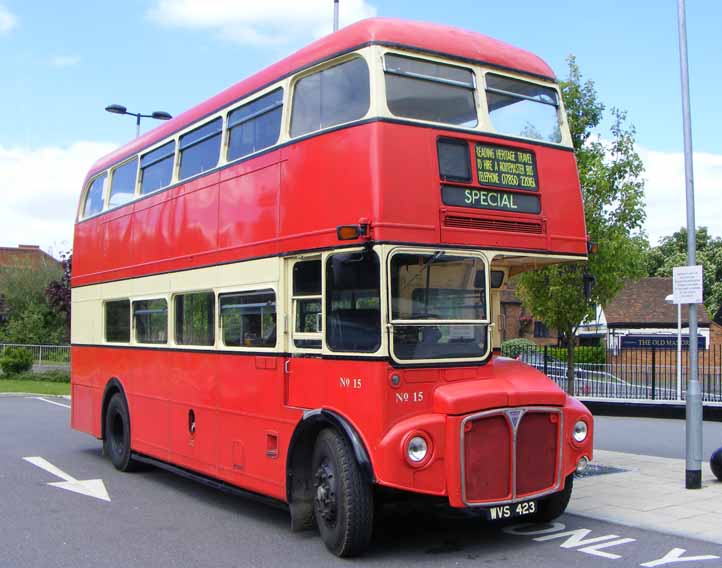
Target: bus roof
[(434, 38)]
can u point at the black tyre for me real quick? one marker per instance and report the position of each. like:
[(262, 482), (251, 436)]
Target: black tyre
[(343, 499), (116, 442), (553, 506)]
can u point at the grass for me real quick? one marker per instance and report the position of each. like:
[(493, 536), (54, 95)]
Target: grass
[(33, 386), (49, 382)]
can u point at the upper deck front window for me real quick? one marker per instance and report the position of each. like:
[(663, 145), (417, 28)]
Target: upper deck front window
[(520, 108), (426, 90)]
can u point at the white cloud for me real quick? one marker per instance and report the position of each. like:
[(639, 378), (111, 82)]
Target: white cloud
[(39, 191), (8, 21), (665, 192), (62, 61), (259, 23)]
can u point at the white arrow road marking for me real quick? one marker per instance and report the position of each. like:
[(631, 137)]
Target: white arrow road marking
[(90, 487), (51, 401)]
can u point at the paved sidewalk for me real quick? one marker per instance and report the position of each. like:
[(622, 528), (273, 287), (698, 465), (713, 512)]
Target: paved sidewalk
[(650, 495)]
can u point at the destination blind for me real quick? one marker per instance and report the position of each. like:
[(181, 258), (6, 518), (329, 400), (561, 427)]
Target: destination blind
[(490, 199), (506, 167)]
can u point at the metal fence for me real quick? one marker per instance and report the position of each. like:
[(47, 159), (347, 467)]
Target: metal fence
[(641, 374), (43, 354)]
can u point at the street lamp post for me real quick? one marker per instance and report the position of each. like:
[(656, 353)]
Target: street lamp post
[(670, 300), (693, 449), (120, 109)]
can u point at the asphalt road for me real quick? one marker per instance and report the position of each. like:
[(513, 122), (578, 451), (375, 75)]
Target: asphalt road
[(652, 436), (157, 519)]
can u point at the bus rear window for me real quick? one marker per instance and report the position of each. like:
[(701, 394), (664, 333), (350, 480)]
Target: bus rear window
[(426, 90), (519, 108), (333, 96)]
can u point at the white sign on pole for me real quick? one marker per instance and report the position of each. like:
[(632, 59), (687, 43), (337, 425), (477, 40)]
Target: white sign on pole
[(687, 285)]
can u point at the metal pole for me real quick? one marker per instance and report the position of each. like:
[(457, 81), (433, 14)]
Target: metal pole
[(693, 473), (679, 351), (137, 125), (335, 15)]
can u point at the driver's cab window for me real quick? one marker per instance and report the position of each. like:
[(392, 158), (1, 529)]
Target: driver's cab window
[(307, 304)]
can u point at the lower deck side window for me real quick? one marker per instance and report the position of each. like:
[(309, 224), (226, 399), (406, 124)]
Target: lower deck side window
[(248, 319), (117, 321), (194, 318), (150, 321)]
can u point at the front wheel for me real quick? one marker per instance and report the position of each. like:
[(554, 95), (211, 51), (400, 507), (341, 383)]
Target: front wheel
[(553, 506), (116, 442), (343, 499)]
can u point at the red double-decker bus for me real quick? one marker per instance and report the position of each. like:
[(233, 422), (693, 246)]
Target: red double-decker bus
[(293, 289)]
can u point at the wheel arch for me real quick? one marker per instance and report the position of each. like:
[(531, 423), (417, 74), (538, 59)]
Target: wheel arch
[(112, 387), (298, 461)]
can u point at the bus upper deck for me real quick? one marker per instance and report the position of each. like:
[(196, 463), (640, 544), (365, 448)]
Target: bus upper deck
[(400, 127)]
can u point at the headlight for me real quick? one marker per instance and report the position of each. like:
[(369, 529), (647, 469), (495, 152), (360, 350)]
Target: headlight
[(580, 431), (417, 449)]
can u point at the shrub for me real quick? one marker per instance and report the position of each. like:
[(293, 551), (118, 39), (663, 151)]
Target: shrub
[(45, 376), (515, 347), (16, 360), (582, 354)]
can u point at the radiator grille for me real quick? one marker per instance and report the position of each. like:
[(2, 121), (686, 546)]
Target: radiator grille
[(492, 456), (536, 452), (487, 459), (479, 223)]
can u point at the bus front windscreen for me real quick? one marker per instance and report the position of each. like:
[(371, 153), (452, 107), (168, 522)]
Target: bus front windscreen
[(438, 306)]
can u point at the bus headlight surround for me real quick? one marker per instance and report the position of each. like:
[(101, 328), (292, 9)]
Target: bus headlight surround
[(581, 430), (417, 449)]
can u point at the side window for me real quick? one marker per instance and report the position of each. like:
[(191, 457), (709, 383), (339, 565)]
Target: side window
[(353, 302), (200, 149), (156, 168), (255, 126), (122, 183), (194, 318), (248, 319), (150, 320), (333, 96), (94, 198), (117, 321), (307, 300)]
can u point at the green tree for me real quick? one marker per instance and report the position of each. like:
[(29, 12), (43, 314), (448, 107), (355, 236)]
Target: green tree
[(613, 190), (672, 251), (31, 319)]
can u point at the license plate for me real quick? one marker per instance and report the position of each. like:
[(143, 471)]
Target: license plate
[(511, 511)]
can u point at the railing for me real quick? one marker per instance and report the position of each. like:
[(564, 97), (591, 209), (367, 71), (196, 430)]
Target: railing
[(639, 374), (44, 354)]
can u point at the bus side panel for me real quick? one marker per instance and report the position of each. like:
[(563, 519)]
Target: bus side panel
[(248, 208), (192, 410), (255, 427), (326, 183), (86, 391), (352, 388), (194, 220), (143, 374)]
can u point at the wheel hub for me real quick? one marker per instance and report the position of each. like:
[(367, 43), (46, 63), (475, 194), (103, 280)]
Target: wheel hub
[(325, 483)]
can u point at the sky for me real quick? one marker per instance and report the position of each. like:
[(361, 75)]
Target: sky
[(62, 63)]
